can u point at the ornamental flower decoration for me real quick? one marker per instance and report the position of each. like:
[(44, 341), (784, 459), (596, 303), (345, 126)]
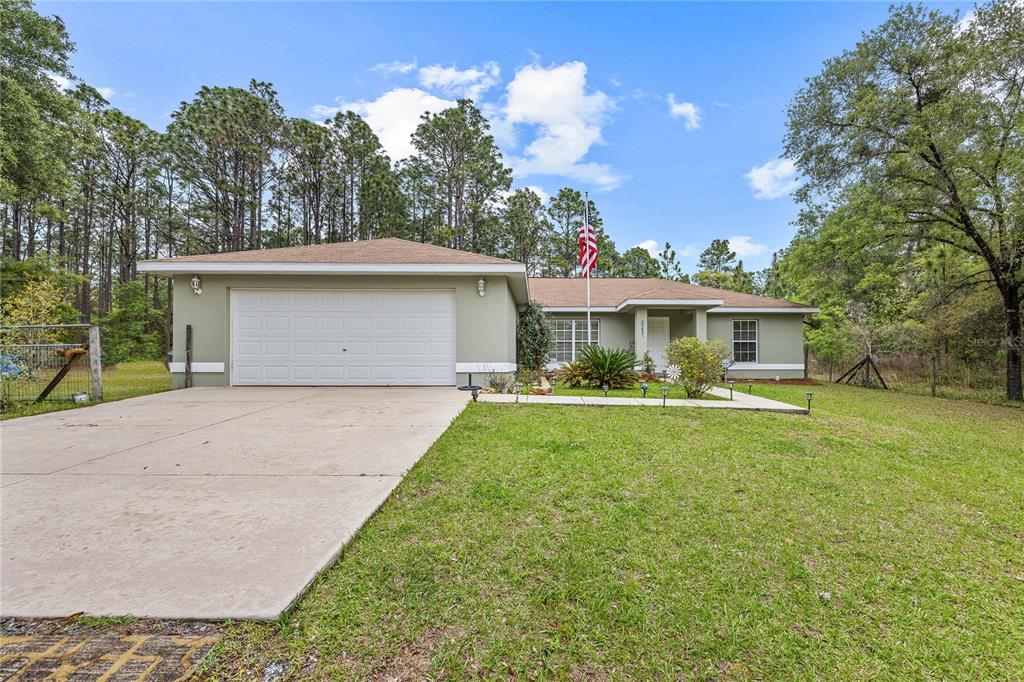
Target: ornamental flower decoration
[(673, 373)]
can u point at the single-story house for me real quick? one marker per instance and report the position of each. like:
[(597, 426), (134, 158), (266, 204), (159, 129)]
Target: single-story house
[(395, 312), (765, 335)]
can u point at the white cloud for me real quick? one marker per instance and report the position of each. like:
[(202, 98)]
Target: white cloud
[(107, 93), (539, 191), (471, 82), (568, 122), (684, 110), (773, 179), (654, 247), (650, 246), (394, 68), (393, 116), (744, 247), (62, 82)]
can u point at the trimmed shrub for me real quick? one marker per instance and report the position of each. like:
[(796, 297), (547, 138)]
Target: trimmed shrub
[(700, 363), (612, 366), (534, 339)]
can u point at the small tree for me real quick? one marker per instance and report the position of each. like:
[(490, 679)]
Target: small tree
[(830, 339), (39, 302), (133, 328), (534, 340), (700, 363)]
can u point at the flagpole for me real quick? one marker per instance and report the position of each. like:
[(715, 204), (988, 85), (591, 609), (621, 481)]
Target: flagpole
[(586, 223)]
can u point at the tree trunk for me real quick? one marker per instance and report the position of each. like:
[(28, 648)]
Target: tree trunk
[(1011, 301)]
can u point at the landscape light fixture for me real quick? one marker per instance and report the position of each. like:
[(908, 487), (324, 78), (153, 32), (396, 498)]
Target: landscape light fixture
[(750, 386), (664, 396), (481, 287), (643, 389), (810, 396), (474, 391), (605, 387), (731, 385), (197, 285), (517, 387)]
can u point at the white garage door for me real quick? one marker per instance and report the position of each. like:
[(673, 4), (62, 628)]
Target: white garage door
[(342, 338)]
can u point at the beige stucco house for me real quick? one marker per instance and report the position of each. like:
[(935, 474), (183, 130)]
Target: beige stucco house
[(394, 312)]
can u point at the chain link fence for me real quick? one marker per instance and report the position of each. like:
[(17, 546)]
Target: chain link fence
[(48, 362)]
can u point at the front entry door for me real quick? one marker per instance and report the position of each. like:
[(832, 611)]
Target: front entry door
[(657, 340)]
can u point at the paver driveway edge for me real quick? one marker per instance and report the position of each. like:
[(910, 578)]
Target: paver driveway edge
[(219, 521)]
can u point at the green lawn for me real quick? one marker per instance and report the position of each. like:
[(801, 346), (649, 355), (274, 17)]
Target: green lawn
[(881, 537), (653, 391), (124, 380)]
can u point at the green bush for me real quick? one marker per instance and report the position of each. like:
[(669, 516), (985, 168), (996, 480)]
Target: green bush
[(700, 363), (612, 366), (534, 339)]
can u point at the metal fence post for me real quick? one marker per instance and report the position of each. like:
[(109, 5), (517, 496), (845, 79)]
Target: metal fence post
[(188, 356), (95, 363)]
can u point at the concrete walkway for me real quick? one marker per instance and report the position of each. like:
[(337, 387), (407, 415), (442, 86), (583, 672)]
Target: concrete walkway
[(740, 401), (206, 503)]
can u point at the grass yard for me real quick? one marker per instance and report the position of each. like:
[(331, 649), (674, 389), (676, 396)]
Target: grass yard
[(653, 391), (880, 538), (124, 380)]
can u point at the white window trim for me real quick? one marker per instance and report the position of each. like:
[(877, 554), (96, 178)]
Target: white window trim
[(757, 341), (572, 337)]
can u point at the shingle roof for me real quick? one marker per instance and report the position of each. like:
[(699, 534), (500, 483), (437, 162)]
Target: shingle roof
[(367, 251), (610, 292)]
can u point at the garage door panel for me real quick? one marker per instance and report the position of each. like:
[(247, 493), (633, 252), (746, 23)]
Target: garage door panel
[(304, 348), (343, 337), (358, 323)]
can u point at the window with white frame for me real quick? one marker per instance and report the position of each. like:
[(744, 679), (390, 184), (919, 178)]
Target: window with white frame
[(571, 337), (744, 340)]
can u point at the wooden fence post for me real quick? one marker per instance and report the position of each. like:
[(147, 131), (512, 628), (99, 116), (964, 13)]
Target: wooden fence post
[(95, 363), (188, 356), (935, 371)]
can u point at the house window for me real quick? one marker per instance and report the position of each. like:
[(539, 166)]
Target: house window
[(571, 337), (744, 340)]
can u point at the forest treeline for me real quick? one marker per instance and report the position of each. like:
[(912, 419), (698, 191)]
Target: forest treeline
[(909, 148)]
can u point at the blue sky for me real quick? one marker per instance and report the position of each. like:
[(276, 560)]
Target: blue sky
[(671, 115)]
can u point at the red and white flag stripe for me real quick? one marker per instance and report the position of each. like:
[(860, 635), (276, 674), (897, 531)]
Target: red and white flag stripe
[(587, 244)]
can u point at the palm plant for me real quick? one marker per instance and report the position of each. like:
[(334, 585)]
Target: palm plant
[(570, 375), (611, 366)]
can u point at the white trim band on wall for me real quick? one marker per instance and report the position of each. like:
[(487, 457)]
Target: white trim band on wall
[(467, 367), (766, 366), (198, 367)]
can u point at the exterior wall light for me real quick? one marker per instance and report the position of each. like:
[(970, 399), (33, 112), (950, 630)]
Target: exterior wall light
[(197, 285), (481, 287)]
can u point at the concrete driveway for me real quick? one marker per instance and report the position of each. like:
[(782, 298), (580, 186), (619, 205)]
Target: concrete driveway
[(205, 503)]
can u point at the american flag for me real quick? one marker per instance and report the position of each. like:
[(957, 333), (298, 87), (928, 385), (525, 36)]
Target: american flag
[(587, 242)]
